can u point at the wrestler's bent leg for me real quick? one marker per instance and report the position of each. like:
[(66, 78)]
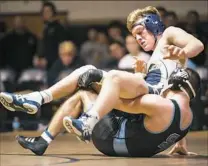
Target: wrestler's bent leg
[(116, 85), (32, 102), (71, 107)]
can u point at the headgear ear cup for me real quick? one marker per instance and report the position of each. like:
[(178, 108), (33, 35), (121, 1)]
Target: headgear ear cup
[(153, 23), (186, 80)]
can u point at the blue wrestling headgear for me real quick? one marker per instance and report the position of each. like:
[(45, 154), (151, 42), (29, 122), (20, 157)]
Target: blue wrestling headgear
[(153, 23)]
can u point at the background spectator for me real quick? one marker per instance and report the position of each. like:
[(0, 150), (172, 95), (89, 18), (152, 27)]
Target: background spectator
[(115, 32), (170, 19), (134, 50), (194, 27), (117, 51), (95, 50), (162, 12), (89, 49), (53, 35), (68, 60), (18, 47)]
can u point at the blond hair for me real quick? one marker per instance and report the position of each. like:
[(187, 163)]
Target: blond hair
[(139, 13), (68, 45)]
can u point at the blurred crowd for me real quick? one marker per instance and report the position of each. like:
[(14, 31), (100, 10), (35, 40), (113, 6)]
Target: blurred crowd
[(30, 63)]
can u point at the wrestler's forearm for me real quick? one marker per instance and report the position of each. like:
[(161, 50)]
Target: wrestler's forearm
[(71, 107), (193, 48)]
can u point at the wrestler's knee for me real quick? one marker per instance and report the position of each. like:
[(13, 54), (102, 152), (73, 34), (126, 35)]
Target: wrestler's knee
[(87, 94), (71, 102), (81, 93), (115, 75), (64, 107)]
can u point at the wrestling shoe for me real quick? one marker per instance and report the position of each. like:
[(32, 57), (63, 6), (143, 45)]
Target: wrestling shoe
[(80, 127), (67, 125), (24, 103), (36, 144)]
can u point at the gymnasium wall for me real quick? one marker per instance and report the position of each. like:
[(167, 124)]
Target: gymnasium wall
[(104, 10)]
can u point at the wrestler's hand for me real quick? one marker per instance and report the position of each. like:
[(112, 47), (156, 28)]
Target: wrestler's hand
[(180, 148), (174, 52), (139, 66)]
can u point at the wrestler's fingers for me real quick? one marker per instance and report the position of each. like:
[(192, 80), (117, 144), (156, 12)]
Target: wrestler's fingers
[(181, 53), (139, 63), (172, 151), (171, 48), (192, 154), (168, 56), (176, 51), (166, 46), (136, 58), (182, 152)]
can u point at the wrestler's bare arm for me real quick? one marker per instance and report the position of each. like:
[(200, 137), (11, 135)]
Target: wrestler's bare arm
[(181, 148), (148, 104), (178, 37)]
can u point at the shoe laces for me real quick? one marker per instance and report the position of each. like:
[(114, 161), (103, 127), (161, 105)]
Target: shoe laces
[(85, 127), (84, 117), (86, 130), (20, 97)]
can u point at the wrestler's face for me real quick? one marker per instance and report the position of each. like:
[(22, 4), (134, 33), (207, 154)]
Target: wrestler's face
[(143, 37)]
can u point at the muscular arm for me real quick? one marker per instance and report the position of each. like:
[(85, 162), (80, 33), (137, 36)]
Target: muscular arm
[(148, 104), (178, 37)]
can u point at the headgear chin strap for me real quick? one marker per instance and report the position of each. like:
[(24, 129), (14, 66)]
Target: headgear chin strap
[(180, 80), (153, 23)]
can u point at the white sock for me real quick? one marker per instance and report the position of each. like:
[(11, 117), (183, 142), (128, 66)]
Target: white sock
[(47, 96), (36, 96), (92, 121), (94, 114), (47, 137)]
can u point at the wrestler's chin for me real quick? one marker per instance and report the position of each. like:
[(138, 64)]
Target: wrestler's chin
[(147, 48)]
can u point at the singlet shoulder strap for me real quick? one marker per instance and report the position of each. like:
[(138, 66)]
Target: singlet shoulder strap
[(177, 116)]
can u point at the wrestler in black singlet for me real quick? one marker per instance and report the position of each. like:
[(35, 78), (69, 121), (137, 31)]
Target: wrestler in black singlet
[(123, 134)]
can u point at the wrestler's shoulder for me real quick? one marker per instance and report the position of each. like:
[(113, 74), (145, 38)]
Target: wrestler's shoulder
[(171, 30)]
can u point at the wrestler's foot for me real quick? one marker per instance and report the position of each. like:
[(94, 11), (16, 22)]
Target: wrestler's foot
[(29, 103), (67, 125), (36, 144), (82, 127)]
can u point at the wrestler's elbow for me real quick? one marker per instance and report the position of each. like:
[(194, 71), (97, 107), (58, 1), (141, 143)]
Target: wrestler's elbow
[(199, 47), (194, 48)]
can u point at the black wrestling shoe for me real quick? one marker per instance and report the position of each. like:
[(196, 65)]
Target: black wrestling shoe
[(36, 144)]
